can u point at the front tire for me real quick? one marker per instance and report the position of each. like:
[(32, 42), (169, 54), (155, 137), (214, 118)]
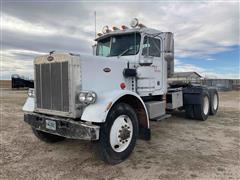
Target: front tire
[(118, 134), (46, 137)]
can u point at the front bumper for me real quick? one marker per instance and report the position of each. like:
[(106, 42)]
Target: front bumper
[(64, 127)]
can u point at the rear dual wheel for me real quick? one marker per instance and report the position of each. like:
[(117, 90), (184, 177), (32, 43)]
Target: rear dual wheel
[(214, 102), (189, 111), (201, 111), (208, 106)]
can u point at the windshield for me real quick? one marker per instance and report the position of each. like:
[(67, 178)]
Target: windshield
[(119, 45)]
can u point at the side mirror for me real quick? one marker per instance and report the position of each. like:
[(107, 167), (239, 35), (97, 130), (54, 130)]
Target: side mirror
[(94, 48)]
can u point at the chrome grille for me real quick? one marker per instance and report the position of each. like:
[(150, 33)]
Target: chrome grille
[(52, 87)]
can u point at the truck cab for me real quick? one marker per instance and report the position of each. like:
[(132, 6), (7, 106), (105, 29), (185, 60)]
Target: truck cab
[(111, 96), (143, 50)]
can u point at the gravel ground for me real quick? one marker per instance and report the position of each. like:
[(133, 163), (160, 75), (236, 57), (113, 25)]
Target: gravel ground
[(179, 149)]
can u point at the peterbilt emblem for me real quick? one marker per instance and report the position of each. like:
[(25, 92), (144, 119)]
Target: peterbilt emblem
[(50, 58), (107, 70)]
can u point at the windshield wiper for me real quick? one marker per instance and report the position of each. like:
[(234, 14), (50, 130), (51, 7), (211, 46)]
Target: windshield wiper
[(124, 52)]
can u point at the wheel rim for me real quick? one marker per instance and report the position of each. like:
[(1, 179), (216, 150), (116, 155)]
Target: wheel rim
[(215, 101), (205, 105), (121, 133)]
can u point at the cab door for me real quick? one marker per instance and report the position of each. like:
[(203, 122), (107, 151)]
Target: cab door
[(152, 66)]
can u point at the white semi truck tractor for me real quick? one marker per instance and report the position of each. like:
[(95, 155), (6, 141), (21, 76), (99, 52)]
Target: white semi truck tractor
[(111, 96)]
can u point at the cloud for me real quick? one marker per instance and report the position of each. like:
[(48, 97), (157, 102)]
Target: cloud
[(201, 29), (210, 59), (11, 23), (21, 26)]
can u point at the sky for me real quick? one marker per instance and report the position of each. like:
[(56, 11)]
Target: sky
[(206, 32)]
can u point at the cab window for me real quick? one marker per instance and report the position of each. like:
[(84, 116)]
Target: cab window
[(151, 47), (103, 48), (119, 45)]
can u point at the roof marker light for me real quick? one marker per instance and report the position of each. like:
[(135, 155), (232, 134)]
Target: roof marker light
[(115, 28), (106, 29), (99, 34), (141, 25), (124, 27)]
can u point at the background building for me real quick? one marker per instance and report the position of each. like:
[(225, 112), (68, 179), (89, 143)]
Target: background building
[(193, 77)]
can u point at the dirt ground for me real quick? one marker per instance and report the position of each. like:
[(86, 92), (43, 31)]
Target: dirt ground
[(179, 149)]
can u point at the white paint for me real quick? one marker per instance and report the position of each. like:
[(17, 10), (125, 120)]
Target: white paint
[(95, 79), (98, 112), (29, 105)]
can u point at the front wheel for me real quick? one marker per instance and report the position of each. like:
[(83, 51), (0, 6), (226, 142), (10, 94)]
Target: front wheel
[(118, 134)]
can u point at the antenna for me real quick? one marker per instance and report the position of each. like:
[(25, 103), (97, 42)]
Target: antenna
[(95, 23)]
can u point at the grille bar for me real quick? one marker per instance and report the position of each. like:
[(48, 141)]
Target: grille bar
[(52, 90)]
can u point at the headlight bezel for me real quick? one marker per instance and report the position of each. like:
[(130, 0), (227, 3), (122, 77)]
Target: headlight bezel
[(84, 97)]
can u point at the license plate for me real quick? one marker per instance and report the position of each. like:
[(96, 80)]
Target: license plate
[(50, 124)]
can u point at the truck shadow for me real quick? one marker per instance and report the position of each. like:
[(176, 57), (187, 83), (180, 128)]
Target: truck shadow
[(87, 152)]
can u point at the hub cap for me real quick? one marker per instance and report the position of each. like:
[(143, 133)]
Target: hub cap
[(121, 133), (205, 105)]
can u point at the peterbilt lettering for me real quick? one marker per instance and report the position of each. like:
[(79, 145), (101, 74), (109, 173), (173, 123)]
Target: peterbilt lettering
[(111, 96)]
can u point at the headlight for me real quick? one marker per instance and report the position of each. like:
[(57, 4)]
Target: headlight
[(31, 92), (87, 97), (91, 97), (82, 97)]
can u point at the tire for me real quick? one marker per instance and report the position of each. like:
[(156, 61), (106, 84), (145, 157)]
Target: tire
[(46, 137), (214, 103), (201, 111), (189, 111), (118, 134)]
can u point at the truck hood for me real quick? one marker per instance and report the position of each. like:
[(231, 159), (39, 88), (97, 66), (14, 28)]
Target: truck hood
[(101, 74)]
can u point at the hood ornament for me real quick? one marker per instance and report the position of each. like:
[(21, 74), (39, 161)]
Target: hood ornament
[(50, 57)]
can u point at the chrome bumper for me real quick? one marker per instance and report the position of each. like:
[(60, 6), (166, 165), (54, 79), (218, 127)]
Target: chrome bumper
[(63, 127)]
